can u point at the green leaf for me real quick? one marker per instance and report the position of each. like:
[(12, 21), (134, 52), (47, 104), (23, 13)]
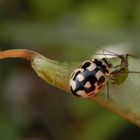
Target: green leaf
[(124, 98)]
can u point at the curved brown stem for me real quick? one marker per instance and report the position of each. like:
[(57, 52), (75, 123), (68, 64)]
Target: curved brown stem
[(18, 53)]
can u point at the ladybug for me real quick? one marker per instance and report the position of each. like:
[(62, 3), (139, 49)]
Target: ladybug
[(89, 78)]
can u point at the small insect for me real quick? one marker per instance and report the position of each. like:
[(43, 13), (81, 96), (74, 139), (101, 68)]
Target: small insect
[(89, 78)]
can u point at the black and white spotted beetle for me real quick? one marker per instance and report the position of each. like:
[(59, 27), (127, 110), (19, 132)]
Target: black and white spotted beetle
[(89, 78)]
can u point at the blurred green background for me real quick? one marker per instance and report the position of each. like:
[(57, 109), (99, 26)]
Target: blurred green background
[(64, 30)]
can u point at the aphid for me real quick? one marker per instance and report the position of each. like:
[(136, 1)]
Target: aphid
[(89, 78)]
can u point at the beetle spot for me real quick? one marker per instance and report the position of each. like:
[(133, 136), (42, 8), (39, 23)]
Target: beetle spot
[(85, 65), (91, 67), (87, 85), (97, 62), (80, 77), (73, 84), (99, 74), (91, 89), (80, 92), (107, 62), (101, 80)]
